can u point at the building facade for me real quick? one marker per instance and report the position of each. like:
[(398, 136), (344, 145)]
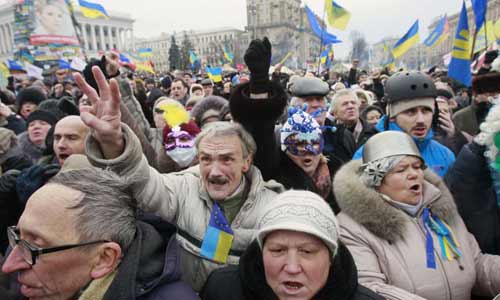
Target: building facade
[(435, 54), (96, 35), (286, 25), (207, 44)]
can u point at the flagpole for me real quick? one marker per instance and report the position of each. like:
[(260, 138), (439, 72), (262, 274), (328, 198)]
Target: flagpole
[(321, 41), (78, 29)]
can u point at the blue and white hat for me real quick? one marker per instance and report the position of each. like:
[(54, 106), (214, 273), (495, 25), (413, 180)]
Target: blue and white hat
[(302, 124)]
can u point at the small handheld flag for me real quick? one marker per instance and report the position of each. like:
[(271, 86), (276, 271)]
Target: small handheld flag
[(214, 73), (218, 237), (228, 55)]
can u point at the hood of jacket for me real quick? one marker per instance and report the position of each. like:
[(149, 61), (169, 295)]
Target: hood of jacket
[(367, 207), (148, 263), (341, 284)]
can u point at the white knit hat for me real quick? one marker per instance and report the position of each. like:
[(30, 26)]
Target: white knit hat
[(300, 211)]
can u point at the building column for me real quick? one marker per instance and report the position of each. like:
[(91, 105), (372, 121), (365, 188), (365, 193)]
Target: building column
[(110, 37), (101, 38), (132, 41), (10, 42), (119, 38), (94, 38), (84, 34), (3, 40)]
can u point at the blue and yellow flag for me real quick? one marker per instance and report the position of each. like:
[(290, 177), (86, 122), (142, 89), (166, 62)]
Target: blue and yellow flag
[(480, 8), (92, 10), (459, 68), (338, 17), (318, 30), (192, 57), (439, 34), (14, 65), (407, 41), (4, 74), (145, 52), (228, 55), (218, 237), (214, 73), (63, 64)]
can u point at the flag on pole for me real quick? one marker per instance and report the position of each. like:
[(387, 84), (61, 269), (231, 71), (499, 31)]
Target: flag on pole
[(459, 68), (407, 41), (92, 10), (338, 17), (480, 7), (4, 75), (227, 54), (485, 36), (14, 65), (439, 34), (318, 30)]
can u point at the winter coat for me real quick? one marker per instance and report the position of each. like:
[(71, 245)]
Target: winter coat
[(150, 269), (32, 151), (339, 146), (181, 199), (470, 183), (389, 245), (258, 117), (436, 156), (367, 132), (467, 119), (248, 282)]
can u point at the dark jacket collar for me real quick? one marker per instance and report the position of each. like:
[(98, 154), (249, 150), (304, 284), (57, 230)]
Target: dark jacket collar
[(148, 263), (342, 281)]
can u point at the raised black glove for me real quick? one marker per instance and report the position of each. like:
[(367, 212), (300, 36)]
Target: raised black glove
[(258, 59), (33, 178)]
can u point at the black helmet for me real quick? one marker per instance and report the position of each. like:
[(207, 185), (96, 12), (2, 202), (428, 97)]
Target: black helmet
[(409, 85)]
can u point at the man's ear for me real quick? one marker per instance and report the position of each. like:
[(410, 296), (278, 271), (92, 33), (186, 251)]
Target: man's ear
[(247, 162), (108, 256)]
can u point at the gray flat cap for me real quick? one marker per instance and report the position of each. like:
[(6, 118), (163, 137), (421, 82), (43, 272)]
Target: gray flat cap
[(207, 81), (309, 86)]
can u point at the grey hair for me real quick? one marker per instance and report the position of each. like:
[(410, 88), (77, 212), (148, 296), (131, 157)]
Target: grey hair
[(339, 94), (105, 211), (219, 129)]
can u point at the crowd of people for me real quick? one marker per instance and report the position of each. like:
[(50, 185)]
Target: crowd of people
[(369, 184)]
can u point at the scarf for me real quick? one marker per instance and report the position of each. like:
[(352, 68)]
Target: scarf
[(322, 179), (98, 287)]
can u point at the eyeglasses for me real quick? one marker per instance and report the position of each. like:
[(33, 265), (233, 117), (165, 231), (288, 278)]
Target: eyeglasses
[(159, 111), (31, 252)]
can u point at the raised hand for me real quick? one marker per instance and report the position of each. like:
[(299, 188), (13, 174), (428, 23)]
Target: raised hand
[(103, 116), (258, 59)]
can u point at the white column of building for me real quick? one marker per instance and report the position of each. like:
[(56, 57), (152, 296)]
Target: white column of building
[(3, 39), (126, 39), (132, 41), (101, 38), (94, 38), (10, 44), (119, 38), (110, 37), (84, 34)]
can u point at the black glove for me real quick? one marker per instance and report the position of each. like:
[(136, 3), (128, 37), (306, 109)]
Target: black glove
[(33, 178), (258, 59), (8, 181), (490, 56)]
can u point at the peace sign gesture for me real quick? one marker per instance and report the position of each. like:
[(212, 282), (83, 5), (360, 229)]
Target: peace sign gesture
[(103, 116)]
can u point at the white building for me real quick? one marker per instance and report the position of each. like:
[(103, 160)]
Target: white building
[(116, 32), (207, 45)]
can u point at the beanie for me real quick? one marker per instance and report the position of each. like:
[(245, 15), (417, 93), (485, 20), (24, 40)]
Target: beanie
[(42, 115), (302, 124), (300, 211)]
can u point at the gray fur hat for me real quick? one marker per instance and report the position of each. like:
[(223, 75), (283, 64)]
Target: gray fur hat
[(210, 106)]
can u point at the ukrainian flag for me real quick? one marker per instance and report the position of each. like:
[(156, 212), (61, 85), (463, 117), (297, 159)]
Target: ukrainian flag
[(92, 10), (228, 55), (4, 74), (459, 68), (218, 237), (338, 17), (215, 74), (145, 52), (439, 34), (407, 41)]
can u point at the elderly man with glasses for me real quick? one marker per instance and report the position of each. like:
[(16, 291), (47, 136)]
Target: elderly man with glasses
[(78, 238)]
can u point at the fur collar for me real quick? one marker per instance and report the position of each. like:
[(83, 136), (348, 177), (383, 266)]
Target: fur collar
[(365, 206)]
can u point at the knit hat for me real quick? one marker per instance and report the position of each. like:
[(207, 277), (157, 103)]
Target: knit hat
[(302, 124), (30, 94), (400, 106), (42, 115), (207, 108), (300, 211)]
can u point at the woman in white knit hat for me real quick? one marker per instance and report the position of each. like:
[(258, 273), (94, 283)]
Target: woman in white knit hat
[(402, 227), (296, 255)]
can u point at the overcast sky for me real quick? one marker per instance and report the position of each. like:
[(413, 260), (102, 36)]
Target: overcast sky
[(374, 18)]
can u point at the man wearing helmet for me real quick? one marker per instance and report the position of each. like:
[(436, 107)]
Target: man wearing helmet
[(411, 108)]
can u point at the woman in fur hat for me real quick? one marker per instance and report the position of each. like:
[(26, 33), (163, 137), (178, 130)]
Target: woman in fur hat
[(403, 229)]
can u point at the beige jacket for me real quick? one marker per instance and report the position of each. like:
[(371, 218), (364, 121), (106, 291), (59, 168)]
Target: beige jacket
[(388, 245), (180, 198)]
